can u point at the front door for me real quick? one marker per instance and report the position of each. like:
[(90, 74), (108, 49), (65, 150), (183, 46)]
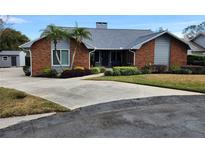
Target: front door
[(13, 61)]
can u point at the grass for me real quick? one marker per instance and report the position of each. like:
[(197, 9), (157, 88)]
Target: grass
[(18, 103), (183, 82)]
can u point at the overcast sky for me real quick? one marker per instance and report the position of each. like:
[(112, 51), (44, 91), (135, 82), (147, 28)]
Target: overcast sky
[(31, 25)]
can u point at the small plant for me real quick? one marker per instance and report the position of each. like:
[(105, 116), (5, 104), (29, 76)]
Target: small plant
[(175, 69), (146, 69), (79, 68), (27, 70), (95, 70), (159, 68), (108, 72), (47, 72)]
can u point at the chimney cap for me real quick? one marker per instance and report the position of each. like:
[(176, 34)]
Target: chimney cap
[(102, 25)]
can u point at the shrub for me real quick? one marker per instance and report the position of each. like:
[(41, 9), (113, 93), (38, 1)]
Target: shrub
[(75, 73), (186, 71), (195, 69), (27, 70), (108, 72), (47, 72), (159, 68), (126, 70), (102, 69), (174, 69), (146, 69), (116, 73), (138, 72), (95, 70)]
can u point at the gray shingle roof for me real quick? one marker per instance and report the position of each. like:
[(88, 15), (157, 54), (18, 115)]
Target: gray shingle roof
[(195, 47), (111, 39)]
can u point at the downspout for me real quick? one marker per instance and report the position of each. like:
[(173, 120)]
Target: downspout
[(134, 56), (30, 59), (89, 55)]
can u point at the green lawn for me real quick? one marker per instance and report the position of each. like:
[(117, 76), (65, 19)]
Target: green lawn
[(17, 103), (183, 82)]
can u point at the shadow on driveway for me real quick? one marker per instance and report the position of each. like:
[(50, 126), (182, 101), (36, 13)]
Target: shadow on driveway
[(167, 116)]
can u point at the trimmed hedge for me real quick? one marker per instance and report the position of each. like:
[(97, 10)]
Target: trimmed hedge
[(108, 72), (122, 70), (95, 70), (195, 69), (125, 70)]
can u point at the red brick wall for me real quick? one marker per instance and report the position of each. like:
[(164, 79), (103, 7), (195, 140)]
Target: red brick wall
[(82, 55), (41, 56), (178, 55), (145, 54)]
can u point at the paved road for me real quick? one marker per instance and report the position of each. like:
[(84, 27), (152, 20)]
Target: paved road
[(168, 116), (74, 93)]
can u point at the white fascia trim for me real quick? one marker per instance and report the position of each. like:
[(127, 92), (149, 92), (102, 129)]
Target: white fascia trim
[(21, 46), (138, 46)]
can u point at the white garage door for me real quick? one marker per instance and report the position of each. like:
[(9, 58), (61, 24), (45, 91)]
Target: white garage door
[(162, 51)]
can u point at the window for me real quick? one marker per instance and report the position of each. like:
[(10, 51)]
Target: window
[(4, 58), (64, 57)]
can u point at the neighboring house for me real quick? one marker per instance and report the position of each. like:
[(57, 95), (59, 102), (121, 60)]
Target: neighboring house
[(197, 45), (110, 47), (12, 58)]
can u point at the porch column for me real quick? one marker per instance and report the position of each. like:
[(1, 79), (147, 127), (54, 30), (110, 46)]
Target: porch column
[(109, 56)]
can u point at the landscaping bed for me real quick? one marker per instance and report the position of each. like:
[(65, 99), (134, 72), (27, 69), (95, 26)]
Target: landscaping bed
[(176, 81), (17, 103)]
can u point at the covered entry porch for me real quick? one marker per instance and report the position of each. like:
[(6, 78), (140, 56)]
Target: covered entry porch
[(109, 58)]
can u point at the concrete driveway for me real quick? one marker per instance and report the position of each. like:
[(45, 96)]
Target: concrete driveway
[(167, 116), (76, 92)]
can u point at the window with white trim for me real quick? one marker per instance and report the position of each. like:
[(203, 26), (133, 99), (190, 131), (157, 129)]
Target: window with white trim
[(5, 58), (64, 57)]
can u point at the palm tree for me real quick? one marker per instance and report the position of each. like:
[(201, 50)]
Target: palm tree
[(79, 34), (54, 34)]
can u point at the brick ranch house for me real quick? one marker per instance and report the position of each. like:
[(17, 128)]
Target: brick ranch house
[(109, 47)]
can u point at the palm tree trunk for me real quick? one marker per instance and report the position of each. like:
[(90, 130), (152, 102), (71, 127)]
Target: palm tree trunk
[(57, 56), (73, 57)]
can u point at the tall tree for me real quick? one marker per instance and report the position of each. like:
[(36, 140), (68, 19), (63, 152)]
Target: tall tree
[(79, 34), (3, 23), (193, 30), (54, 34), (11, 39)]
